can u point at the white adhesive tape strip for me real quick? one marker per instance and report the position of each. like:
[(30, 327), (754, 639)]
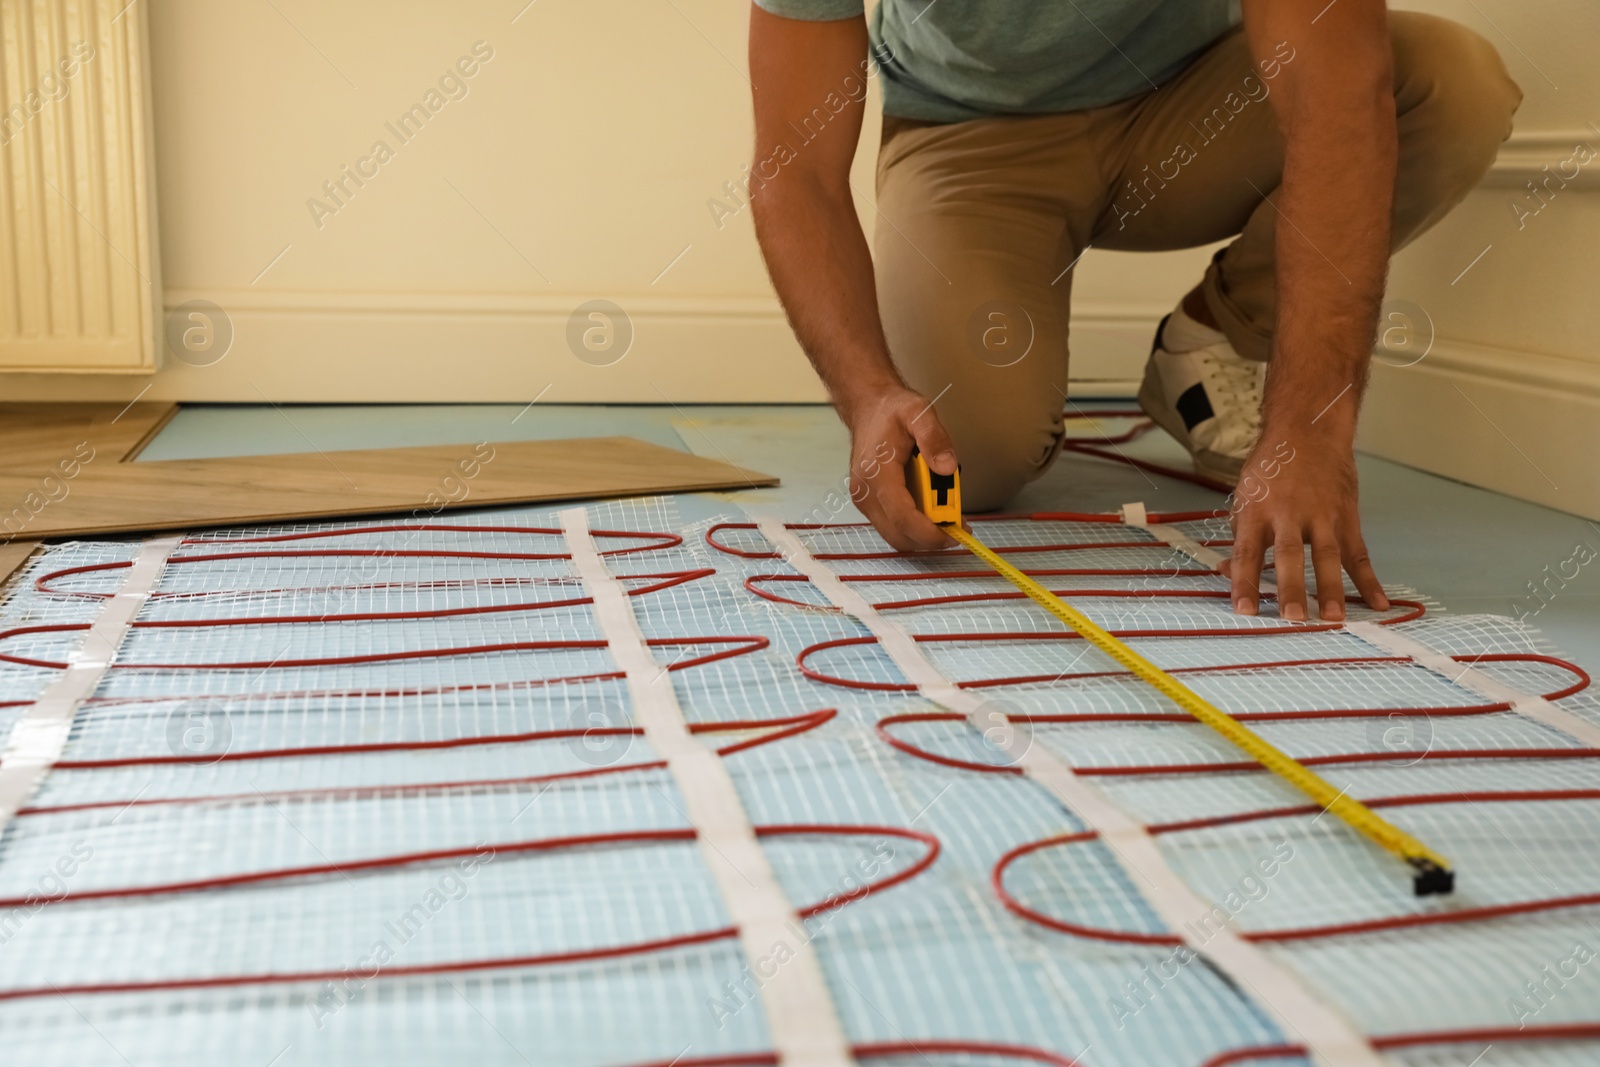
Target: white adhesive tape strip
[(1178, 540), (1333, 1041), (801, 1017), (1469, 677), (1388, 639), (39, 737)]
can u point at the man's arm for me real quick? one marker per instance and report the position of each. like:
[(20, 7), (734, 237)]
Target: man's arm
[(1335, 106), (817, 254)]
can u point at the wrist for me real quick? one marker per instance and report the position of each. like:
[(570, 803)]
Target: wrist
[(1330, 432), (1315, 412), (863, 389)]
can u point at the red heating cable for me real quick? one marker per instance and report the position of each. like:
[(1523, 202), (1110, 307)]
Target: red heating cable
[(1239, 767), (663, 581), (1415, 609), (411, 746), (395, 691), (752, 584), (1303, 933), (925, 1047), (879, 1049), (552, 844), (668, 579), (1193, 477), (661, 540), (958, 552), (829, 903), (1488, 1035), (1142, 424), (752, 643), (789, 726), (1061, 635), (1280, 715)]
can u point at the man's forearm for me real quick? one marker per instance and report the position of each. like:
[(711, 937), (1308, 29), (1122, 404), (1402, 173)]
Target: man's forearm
[(1333, 233), (1332, 257), (820, 266)]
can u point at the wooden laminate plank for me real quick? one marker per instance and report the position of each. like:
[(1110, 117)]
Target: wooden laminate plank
[(13, 554), (156, 426), (38, 498), (33, 437)]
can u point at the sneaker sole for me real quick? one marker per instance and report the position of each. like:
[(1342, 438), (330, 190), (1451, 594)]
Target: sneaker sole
[(1153, 402)]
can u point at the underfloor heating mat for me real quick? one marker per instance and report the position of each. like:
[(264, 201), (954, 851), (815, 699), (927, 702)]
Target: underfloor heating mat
[(381, 792)]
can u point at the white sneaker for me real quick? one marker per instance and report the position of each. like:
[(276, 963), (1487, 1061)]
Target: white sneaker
[(1208, 398)]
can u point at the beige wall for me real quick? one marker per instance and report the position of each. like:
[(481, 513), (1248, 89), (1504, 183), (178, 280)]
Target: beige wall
[(580, 163), (1508, 396)]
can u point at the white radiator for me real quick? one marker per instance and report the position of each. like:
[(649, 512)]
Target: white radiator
[(79, 282)]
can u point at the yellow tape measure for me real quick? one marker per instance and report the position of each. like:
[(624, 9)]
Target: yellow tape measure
[(1433, 871)]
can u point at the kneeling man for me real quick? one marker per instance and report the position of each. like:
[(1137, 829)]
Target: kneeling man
[(1019, 133)]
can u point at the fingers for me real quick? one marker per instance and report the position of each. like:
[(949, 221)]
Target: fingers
[(1359, 565), (1313, 504), (1243, 568), (906, 527), (1289, 564), (887, 504), (934, 442), (1332, 555), (1325, 564)]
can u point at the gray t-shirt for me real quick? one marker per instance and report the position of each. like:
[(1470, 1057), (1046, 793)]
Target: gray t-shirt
[(949, 60)]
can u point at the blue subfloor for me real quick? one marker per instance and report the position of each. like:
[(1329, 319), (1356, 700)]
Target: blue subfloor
[(1472, 550)]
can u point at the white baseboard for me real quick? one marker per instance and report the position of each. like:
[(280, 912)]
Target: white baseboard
[(500, 348), (1533, 155), (1520, 423)]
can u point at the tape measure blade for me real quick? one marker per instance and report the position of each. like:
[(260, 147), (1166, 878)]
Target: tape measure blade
[(1355, 814)]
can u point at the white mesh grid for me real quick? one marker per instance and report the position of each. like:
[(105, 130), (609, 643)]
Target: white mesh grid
[(935, 958)]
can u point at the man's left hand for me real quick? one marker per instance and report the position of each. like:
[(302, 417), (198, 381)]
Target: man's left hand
[(1294, 493)]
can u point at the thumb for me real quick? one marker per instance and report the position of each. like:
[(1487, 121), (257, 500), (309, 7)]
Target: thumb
[(934, 442)]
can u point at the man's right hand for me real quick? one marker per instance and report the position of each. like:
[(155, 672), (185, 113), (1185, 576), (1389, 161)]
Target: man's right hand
[(883, 427)]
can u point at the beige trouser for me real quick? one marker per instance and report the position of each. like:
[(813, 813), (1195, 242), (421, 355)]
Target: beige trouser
[(979, 222)]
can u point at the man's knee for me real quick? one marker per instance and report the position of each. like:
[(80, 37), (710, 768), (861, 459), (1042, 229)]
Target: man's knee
[(998, 459), (1456, 96)]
